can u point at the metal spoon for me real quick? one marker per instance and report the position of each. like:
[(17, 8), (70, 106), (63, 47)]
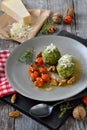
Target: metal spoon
[(44, 110)]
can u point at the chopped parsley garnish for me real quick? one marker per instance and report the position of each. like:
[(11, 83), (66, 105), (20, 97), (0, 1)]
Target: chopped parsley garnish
[(27, 57)]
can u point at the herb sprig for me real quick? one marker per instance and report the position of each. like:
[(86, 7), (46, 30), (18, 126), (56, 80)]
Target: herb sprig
[(27, 57), (64, 108), (44, 29)]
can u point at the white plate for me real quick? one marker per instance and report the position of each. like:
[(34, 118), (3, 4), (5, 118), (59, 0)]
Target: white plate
[(18, 77)]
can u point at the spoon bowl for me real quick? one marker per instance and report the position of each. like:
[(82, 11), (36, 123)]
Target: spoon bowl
[(41, 110)]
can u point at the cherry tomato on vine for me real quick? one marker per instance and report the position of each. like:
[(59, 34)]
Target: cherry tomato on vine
[(68, 20), (84, 100)]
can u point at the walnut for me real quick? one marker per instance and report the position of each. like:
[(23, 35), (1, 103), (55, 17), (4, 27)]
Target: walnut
[(71, 80), (39, 54), (70, 12), (14, 114), (54, 82), (52, 68), (62, 82), (79, 112), (13, 98), (52, 28), (57, 18)]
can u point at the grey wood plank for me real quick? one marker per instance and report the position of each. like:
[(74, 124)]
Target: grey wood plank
[(81, 17), (80, 22), (26, 123), (6, 122), (61, 6), (35, 4)]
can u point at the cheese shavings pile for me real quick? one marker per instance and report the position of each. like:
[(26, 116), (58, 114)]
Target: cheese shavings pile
[(66, 61), (50, 48), (19, 30)]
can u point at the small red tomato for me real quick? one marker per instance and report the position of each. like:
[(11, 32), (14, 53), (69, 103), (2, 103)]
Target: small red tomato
[(46, 77), (34, 75), (39, 61), (32, 68), (68, 20), (84, 100), (43, 70), (39, 82)]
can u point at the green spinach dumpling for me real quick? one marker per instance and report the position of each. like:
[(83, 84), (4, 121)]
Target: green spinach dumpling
[(65, 66), (51, 54)]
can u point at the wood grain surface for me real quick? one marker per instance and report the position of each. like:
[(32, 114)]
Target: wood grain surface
[(78, 27)]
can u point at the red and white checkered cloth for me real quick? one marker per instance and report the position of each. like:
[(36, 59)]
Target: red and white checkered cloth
[(5, 87)]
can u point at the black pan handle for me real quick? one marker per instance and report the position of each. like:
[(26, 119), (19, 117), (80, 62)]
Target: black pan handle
[(68, 34)]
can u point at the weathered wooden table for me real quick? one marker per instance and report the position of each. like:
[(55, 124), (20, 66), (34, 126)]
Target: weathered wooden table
[(78, 27)]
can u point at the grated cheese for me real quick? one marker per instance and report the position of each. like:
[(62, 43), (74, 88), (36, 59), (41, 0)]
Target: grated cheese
[(19, 30), (50, 48), (66, 61)]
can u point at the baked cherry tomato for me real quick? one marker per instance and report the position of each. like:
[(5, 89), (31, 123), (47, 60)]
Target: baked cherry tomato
[(84, 100), (46, 77), (39, 61), (43, 70), (34, 75), (39, 82), (68, 20), (32, 68)]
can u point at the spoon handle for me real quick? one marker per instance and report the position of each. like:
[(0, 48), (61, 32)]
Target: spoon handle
[(71, 99)]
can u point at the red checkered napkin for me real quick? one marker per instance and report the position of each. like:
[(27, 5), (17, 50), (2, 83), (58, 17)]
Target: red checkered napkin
[(5, 87)]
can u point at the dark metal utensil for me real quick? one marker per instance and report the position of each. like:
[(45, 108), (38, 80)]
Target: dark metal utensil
[(44, 110)]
